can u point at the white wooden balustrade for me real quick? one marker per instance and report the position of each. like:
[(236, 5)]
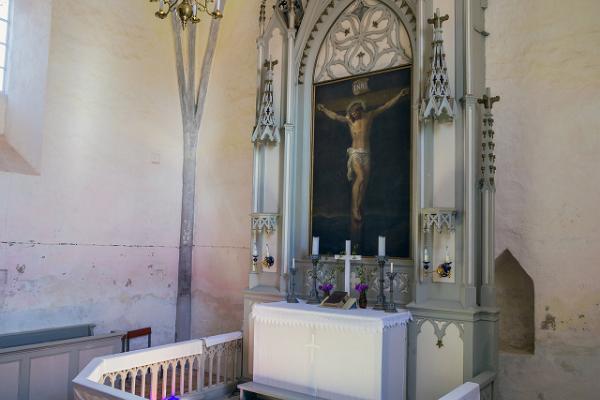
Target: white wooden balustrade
[(204, 368)]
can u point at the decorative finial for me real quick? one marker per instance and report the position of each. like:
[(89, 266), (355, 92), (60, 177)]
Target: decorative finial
[(487, 100), (438, 20)]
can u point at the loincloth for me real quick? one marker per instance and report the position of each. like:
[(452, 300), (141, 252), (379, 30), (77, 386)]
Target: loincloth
[(361, 156)]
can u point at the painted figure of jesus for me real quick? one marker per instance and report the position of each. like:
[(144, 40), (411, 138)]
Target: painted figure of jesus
[(359, 122)]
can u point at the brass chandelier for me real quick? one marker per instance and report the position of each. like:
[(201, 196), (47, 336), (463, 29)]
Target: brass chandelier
[(188, 10)]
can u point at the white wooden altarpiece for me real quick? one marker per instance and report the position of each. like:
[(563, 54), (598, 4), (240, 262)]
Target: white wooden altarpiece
[(306, 42)]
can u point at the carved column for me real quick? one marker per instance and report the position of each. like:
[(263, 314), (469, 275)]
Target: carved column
[(487, 187), (470, 215), (287, 252)]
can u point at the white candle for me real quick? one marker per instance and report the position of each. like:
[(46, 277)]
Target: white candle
[(315, 246), (348, 247), (426, 256), (381, 251), (254, 250), (447, 255), (218, 5), (294, 264), (392, 268), (268, 253)]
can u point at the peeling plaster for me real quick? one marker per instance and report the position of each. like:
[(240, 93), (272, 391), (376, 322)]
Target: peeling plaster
[(549, 322)]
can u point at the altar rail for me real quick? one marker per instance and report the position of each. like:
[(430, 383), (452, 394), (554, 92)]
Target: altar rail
[(486, 381), (204, 368)]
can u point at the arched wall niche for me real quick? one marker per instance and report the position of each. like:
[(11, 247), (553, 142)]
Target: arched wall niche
[(319, 20), (516, 300)]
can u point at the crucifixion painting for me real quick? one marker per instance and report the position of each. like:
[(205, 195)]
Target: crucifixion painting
[(359, 121), (365, 124)]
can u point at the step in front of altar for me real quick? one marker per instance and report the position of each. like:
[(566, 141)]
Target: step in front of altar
[(256, 391)]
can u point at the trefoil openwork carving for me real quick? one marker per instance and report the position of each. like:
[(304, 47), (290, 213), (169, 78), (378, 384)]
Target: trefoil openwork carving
[(367, 37), (438, 219), (264, 222)]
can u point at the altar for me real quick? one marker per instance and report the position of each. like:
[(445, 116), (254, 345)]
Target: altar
[(330, 353)]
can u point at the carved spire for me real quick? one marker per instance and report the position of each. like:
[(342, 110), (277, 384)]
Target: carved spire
[(262, 17), (292, 8), (438, 103), (266, 130), (488, 158)]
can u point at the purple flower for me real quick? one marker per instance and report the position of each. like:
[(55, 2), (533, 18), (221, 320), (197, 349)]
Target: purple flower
[(361, 287), (326, 287)]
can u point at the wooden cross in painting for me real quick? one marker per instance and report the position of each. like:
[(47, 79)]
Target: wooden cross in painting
[(348, 258)]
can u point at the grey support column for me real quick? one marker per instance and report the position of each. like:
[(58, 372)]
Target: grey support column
[(289, 129), (487, 187), (470, 216)]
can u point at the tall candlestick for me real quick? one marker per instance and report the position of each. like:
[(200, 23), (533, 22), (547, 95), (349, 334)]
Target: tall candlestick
[(381, 251), (315, 246)]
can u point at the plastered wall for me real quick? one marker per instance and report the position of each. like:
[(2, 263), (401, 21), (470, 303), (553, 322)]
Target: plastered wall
[(224, 184), (543, 59), (93, 236)]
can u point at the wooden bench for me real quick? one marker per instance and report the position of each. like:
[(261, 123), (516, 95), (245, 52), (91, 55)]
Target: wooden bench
[(136, 334)]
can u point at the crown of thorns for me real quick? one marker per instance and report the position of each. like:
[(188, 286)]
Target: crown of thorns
[(355, 103)]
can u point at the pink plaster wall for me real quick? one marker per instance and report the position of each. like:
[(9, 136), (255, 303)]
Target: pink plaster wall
[(93, 237), (543, 58), (224, 185)]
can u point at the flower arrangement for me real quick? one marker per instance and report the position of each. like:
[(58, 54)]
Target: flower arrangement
[(326, 288), (361, 287), (328, 279), (364, 276)]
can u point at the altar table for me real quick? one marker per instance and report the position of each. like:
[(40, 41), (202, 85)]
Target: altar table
[(331, 353)]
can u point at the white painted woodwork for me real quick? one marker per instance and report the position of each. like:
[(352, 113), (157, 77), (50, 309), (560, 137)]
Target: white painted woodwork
[(439, 369), (330, 353), (219, 356), (45, 370)]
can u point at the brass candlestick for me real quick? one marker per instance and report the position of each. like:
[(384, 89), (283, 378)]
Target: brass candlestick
[(381, 302)]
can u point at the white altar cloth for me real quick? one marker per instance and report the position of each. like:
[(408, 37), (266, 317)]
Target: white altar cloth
[(331, 353)]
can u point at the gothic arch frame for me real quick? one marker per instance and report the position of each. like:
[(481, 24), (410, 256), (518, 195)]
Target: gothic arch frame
[(319, 19)]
